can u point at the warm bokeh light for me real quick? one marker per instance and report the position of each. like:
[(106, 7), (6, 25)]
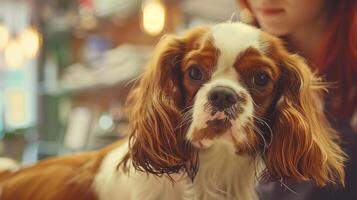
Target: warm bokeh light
[(4, 36), (13, 54), (153, 16), (30, 40), (15, 102)]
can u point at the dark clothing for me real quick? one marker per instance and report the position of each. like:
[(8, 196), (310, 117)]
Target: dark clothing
[(307, 190)]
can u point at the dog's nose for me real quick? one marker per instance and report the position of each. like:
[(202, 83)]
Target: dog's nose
[(222, 97)]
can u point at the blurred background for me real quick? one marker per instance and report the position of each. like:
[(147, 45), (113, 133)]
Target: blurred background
[(66, 67)]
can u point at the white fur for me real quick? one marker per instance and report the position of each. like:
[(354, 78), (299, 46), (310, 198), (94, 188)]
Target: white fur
[(200, 115), (113, 184), (225, 175), (231, 39), (234, 38), (222, 173)]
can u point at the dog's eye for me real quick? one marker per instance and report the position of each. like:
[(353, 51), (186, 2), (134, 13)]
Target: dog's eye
[(195, 73), (261, 79)]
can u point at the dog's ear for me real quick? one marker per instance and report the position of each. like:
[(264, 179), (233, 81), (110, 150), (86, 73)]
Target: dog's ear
[(304, 145), (156, 144)]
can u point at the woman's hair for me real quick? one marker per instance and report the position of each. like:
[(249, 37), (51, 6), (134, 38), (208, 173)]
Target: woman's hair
[(337, 58)]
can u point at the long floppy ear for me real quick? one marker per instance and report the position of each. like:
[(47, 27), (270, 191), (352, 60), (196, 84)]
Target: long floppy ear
[(156, 145), (304, 145)]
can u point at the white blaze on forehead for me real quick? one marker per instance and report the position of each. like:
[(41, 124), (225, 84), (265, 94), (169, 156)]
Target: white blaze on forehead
[(234, 38), (231, 39)]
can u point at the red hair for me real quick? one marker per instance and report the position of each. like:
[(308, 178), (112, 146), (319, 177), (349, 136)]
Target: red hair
[(337, 59)]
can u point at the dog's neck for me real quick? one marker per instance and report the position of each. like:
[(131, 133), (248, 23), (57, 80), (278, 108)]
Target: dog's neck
[(222, 175), (225, 175)]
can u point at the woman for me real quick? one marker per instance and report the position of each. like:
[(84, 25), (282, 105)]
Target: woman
[(325, 33)]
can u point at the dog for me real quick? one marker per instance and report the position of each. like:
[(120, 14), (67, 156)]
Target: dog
[(215, 110)]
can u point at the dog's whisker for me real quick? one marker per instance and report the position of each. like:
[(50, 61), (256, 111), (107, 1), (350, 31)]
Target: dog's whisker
[(184, 123), (187, 111), (251, 149), (287, 187), (186, 108), (257, 130), (186, 117), (260, 120)]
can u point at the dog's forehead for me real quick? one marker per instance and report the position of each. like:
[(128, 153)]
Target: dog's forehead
[(235, 38), (231, 40)]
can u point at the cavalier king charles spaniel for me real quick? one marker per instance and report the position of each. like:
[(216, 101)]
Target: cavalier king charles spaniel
[(214, 111)]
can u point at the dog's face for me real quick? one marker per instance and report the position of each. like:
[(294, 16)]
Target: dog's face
[(231, 84)]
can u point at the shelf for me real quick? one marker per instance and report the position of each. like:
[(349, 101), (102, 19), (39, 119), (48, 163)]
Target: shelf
[(122, 65)]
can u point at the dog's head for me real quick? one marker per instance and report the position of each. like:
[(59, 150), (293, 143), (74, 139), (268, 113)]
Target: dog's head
[(231, 84)]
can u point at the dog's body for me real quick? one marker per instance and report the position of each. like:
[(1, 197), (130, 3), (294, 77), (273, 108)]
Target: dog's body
[(213, 110), (87, 176), (95, 176)]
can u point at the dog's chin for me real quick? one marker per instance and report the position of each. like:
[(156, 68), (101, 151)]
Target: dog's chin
[(217, 130)]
